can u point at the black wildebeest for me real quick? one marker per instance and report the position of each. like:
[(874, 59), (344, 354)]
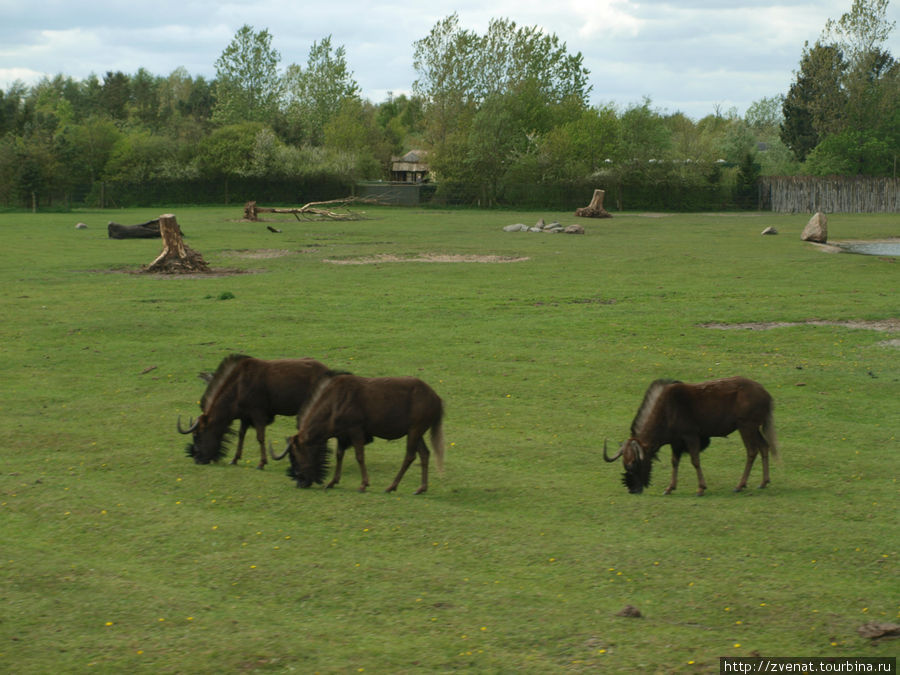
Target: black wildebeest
[(685, 416), (253, 391), (355, 410)]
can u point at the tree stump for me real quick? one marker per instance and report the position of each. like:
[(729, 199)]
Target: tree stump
[(595, 208), (176, 257), (250, 212)]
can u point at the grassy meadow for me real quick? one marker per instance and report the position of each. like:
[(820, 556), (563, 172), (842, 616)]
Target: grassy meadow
[(121, 555)]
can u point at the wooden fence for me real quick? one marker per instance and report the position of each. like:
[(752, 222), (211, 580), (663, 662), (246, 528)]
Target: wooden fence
[(835, 194)]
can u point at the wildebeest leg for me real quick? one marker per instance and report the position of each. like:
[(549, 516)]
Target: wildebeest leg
[(765, 462), (414, 444), (755, 443), (261, 438), (338, 463), (240, 446), (359, 446), (749, 436), (676, 457), (694, 450)]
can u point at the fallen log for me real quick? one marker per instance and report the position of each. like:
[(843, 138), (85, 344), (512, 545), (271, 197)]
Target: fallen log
[(310, 211), (595, 208), (148, 230)]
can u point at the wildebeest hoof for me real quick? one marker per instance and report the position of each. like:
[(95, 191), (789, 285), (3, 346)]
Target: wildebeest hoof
[(421, 490)]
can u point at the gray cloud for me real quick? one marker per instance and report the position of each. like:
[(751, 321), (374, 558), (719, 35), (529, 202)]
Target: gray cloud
[(689, 55)]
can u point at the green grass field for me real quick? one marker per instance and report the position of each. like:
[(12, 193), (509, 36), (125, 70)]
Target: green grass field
[(121, 555)]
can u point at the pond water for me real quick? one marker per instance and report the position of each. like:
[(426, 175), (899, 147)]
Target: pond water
[(889, 248)]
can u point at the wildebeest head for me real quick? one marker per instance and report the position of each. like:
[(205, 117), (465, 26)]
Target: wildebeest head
[(309, 462), (638, 463), (207, 442)]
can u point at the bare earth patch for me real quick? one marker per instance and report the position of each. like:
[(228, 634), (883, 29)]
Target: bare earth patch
[(260, 254), (884, 325), (426, 258)]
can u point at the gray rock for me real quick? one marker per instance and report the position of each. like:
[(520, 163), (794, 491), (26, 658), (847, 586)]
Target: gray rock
[(816, 229), (574, 229), (518, 227), (770, 230)]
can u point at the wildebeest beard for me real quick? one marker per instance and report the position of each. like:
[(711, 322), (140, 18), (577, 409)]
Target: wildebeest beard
[(637, 475), (314, 467), (218, 451)]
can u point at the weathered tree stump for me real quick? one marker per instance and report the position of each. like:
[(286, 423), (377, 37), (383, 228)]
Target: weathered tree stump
[(176, 257), (595, 208), (250, 212)]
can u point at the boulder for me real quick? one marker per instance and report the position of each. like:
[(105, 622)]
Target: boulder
[(518, 227), (770, 230), (574, 229), (816, 229)]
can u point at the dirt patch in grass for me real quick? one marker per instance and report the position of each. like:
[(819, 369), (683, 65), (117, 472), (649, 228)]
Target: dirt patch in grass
[(264, 253), (425, 258), (884, 325)]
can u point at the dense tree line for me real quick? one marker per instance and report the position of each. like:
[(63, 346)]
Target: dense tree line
[(504, 116)]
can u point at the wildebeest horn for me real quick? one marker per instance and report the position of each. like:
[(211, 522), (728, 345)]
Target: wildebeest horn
[(607, 457), (281, 456), (191, 425)]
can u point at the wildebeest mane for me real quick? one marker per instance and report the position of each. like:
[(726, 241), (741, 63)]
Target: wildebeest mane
[(219, 378), (317, 394), (651, 397)]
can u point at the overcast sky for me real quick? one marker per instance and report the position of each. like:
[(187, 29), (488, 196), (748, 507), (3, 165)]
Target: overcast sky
[(692, 56)]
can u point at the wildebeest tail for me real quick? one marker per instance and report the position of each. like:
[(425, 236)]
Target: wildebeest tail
[(768, 432), (437, 440)]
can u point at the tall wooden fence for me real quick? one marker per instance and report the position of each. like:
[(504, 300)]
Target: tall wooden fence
[(834, 194)]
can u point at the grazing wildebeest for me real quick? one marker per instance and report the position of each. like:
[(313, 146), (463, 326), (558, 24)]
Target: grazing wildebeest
[(685, 416), (355, 410), (253, 391)]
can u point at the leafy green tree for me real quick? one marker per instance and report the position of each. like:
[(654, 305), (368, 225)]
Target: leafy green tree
[(488, 98), (12, 108), (316, 94), (147, 108), (815, 102), (84, 148), (581, 147), (861, 32), (401, 119), (746, 189), (228, 151), (852, 152), (645, 135), (354, 132), (140, 156), (766, 115), (248, 85), (115, 95)]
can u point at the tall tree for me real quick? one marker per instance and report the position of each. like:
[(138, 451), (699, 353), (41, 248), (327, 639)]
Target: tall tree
[(487, 97), (317, 94), (861, 32), (248, 85), (815, 103), (115, 95)]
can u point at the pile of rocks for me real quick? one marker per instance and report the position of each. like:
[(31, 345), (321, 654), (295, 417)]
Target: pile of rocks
[(541, 226)]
